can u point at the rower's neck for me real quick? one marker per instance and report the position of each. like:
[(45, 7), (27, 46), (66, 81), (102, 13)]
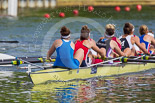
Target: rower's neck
[(127, 34), (66, 40), (109, 37)]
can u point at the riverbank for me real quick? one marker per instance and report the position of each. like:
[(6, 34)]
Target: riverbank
[(104, 2), (99, 12), (24, 4)]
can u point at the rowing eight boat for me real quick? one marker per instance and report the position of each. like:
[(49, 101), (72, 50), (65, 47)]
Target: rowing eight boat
[(60, 74)]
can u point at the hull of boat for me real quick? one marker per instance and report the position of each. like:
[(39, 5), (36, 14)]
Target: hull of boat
[(59, 74)]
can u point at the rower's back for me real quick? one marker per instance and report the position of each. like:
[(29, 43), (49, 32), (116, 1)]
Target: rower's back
[(65, 49), (127, 41), (145, 39), (110, 42)]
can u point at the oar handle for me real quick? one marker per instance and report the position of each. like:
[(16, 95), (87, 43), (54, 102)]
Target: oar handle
[(125, 60), (101, 58), (20, 61), (46, 60)]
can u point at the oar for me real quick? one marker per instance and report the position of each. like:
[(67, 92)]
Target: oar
[(2, 60), (113, 59), (24, 58), (21, 61), (9, 41), (34, 67), (143, 57), (125, 60), (107, 61)]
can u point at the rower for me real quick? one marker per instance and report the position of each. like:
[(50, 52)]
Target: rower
[(85, 43), (110, 42), (65, 49), (128, 40), (145, 39), (136, 49), (151, 33)]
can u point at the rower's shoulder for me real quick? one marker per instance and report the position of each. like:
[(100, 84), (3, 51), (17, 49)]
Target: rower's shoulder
[(58, 41), (148, 36), (76, 40), (101, 38), (92, 41), (135, 36), (118, 40)]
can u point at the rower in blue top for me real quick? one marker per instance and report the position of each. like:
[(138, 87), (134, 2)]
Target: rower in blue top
[(146, 40), (65, 49), (65, 56)]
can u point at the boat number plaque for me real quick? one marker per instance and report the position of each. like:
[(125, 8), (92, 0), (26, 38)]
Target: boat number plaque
[(93, 70)]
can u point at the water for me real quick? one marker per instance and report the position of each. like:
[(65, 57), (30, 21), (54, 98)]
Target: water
[(36, 34), (131, 88), (33, 32)]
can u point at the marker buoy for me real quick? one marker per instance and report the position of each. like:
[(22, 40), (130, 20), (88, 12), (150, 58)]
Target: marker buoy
[(61, 14), (139, 7), (75, 12), (47, 16), (117, 8), (90, 8), (127, 8)]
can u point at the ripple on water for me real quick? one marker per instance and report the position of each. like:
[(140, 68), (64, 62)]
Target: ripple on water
[(14, 93), (25, 92), (147, 100), (141, 85)]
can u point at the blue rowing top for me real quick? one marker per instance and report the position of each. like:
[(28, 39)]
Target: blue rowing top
[(147, 44), (65, 56)]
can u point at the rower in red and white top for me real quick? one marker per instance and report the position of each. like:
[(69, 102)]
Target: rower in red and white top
[(128, 40), (85, 44)]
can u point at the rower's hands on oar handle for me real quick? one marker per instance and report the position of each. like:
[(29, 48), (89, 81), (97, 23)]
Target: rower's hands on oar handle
[(99, 57), (50, 60)]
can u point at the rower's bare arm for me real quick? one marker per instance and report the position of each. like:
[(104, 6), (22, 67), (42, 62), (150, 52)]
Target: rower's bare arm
[(136, 38), (72, 45), (115, 47), (100, 51), (118, 40), (51, 50), (140, 46)]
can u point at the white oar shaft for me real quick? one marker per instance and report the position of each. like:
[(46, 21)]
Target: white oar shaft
[(32, 64), (104, 62)]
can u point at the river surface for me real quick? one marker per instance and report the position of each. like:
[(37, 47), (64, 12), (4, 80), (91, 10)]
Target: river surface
[(36, 34)]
